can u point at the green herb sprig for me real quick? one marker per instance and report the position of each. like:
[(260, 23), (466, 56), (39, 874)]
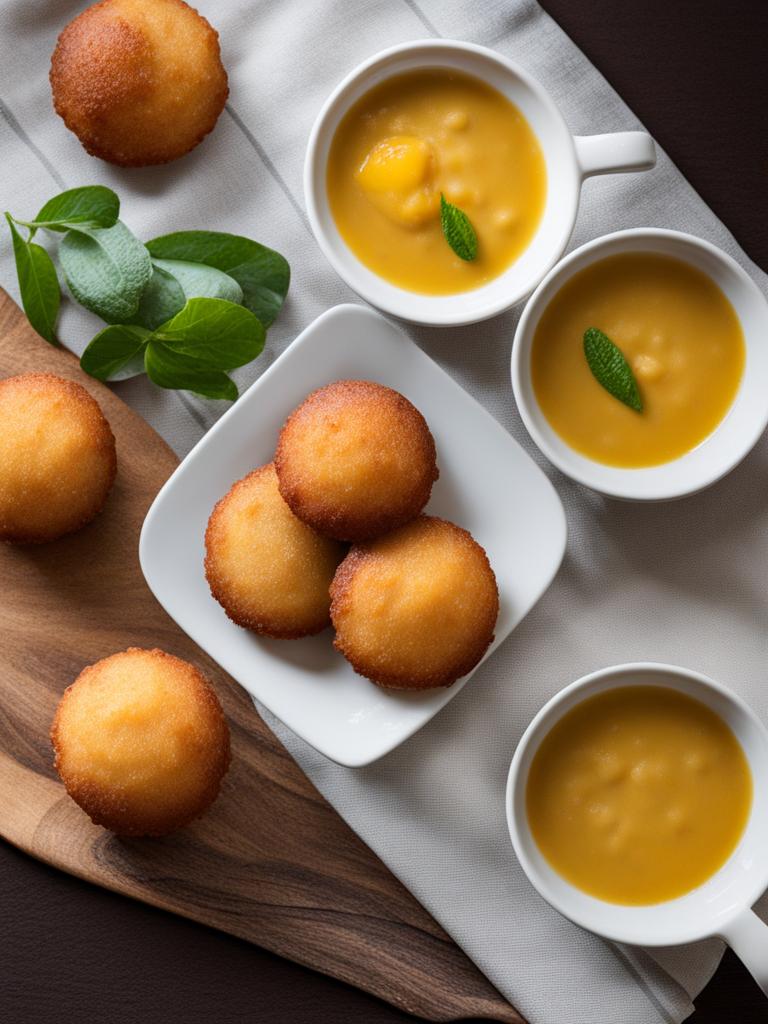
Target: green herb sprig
[(611, 369), (38, 283), (184, 308), (458, 230)]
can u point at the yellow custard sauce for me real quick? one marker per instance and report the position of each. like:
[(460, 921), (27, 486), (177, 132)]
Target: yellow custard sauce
[(414, 136), (681, 337), (638, 795)]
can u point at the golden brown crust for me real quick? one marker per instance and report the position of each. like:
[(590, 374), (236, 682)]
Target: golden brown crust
[(442, 672), (360, 520), (116, 88), (109, 807), (85, 407), (239, 611)]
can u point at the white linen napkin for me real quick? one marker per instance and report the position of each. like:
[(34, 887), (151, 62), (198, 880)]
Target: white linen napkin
[(679, 582)]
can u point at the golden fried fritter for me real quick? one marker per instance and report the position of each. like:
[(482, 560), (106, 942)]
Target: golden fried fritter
[(355, 460), (139, 82), (268, 570), (141, 742), (417, 608), (57, 458)]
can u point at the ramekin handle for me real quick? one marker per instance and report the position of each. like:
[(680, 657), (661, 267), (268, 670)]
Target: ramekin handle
[(615, 153), (747, 936)]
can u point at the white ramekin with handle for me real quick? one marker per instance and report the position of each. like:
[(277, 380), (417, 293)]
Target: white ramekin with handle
[(722, 906), (569, 159)]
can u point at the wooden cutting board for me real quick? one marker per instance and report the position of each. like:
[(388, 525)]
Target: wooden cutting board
[(271, 862)]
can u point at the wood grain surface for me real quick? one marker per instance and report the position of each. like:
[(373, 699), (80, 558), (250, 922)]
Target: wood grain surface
[(271, 862)]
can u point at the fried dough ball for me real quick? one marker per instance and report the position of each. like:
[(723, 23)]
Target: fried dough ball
[(138, 81), (355, 460), (269, 571), (141, 742), (57, 458), (417, 608)]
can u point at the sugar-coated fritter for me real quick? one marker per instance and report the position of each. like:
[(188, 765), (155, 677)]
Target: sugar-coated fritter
[(355, 460), (416, 608), (138, 82), (57, 458), (267, 569), (141, 742)]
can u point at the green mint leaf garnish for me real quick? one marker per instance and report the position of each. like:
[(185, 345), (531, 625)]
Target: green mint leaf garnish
[(106, 270), (610, 368), (458, 230), (116, 353), (262, 273), (38, 284)]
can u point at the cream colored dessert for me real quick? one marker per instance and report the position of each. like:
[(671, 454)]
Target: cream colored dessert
[(57, 458), (141, 742), (137, 82), (416, 608), (356, 459), (268, 569)]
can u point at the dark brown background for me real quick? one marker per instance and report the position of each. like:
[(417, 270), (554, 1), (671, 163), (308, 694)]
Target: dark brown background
[(694, 72)]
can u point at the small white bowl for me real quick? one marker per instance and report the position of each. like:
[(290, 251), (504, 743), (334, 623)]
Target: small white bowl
[(568, 160), (722, 905), (733, 438)]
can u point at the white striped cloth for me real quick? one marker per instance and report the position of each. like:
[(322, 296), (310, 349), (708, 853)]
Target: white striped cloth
[(680, 582)]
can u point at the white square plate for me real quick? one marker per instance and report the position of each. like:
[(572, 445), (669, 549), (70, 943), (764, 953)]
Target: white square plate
[(487, 484)]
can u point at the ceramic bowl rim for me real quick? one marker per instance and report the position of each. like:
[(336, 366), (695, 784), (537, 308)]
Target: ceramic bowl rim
[(434, 310), (605, 678)]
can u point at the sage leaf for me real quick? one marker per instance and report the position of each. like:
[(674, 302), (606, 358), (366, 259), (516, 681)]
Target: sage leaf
[(169, 369), (262, 273), (116, 353), (458, 230), (175, 281), (162, 299), (92, 206), (193, 308), (106, 270), (198, 280), (217, 334), (38, 284), (610, 368)]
